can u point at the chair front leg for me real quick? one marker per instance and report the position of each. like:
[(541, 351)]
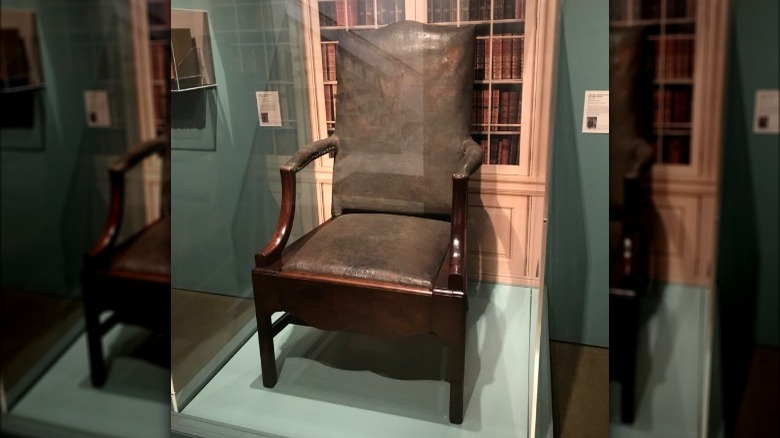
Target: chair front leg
[(94, 333), (456, 357), (449, 324)]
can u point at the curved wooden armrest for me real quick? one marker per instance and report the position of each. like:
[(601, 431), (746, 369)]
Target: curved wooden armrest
[(471, 161), (139, 153), (273, 250), (116, 175)]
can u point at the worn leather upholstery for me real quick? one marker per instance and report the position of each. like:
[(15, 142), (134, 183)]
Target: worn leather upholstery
[(149, 251), (403, 123), (404, 250)]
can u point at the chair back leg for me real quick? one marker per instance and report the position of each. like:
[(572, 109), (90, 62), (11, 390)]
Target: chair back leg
[(267, 354), (94, 333)]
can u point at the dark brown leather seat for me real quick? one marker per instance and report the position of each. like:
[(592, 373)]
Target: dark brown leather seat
[(391, 260), (141, 253), (132, 279), (373, 246)]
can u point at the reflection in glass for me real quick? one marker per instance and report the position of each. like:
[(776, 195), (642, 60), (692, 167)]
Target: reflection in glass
[(696, 327), (55, 200)]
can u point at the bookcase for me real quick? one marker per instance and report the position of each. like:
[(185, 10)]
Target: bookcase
[(151, 51), (685, 43), (515, 53), (159, 18)]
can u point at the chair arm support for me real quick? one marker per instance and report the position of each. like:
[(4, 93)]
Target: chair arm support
[(273, 250), (116, 176), (311, 152), (134, 156), (471, 161)]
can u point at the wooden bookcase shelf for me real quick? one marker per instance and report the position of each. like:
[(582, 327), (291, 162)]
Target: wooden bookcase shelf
[(159, 20), (685, 43)]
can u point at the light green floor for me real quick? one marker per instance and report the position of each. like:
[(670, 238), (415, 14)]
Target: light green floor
[(670, 371), (135, 401), (321, 393)]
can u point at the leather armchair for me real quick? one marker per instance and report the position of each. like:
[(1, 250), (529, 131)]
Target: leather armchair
[(630, 160), (131, 278), (391, 260)]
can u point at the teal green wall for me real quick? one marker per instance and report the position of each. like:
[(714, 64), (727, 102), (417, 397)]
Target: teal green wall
[(53, 204), (578, 239), (748, 250), (223, 210)]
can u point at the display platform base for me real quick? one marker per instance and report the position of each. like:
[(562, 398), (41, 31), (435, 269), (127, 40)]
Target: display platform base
[(337, 384), (63, 403), (672, 356)]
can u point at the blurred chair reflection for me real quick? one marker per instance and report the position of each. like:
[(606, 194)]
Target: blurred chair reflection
[(630, 159), (131, 278)]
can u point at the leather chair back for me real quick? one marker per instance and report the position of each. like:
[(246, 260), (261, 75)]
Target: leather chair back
[(404, 109)]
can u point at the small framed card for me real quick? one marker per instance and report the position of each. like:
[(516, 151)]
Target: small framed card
[(595, 115)]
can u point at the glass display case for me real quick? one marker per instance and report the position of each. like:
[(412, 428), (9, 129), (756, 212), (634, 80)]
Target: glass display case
[(226, 203)]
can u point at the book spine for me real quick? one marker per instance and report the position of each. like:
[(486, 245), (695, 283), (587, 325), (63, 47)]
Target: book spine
[(517, 58), (332, 61), (485, 108), (325, 62), (328, 103), (514, 109), (493, 151), (496, 59), (361, 12), (506, 58), (464, 10), (341, 13), (479, 62), (504, 151), (399, 11), (474, 109), (437, 5), (498, 7), (503, 110), (353, 9), (494, 107)]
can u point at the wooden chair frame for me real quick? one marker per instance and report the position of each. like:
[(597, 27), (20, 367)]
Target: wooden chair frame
[(370, 307)]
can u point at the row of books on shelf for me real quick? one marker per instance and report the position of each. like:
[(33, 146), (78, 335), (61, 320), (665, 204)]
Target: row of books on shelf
[(443, 11), (160, 102), (500, 150), (677, 57), (329, 61), (506, 57), (496, 107), (672, 106), (651, 9), (360, 12)]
